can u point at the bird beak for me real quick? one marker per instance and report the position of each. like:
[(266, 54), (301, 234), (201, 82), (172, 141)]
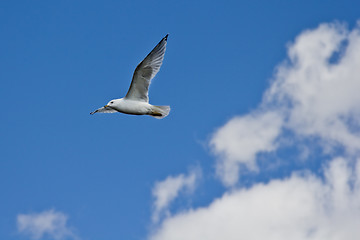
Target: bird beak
[(106, 106)]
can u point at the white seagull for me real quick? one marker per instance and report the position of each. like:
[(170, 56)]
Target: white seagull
[(136, 101)]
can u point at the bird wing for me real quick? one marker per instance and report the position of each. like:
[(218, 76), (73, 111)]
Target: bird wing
[(145, 71), (104, 110)]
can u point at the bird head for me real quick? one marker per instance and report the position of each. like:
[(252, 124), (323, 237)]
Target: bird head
[(110, 103)]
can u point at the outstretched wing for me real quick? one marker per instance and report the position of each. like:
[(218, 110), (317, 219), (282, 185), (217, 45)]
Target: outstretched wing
[(146, 71), (104, 110)]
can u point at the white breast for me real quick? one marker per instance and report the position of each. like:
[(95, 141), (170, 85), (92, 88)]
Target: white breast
[(132, 107)]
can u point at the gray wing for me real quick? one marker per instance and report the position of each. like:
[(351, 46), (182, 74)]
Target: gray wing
[(146, 71), (104, 110)]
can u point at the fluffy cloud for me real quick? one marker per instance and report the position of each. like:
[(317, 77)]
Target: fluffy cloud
[(317, 90), (50, 224), (298, 208), (241, 139), (164, 192), (314, 94)]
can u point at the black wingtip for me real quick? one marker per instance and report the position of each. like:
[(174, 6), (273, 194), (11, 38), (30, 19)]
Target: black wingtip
[(93, 112), (166, 37)]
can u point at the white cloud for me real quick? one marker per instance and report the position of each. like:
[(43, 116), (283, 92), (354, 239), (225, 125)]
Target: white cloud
[(319, 97), (313, 94), (167, 190), (49, 223), (302, 207), (241, 139)]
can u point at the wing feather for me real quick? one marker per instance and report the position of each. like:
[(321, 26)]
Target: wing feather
[(104, 110), (145, 71)]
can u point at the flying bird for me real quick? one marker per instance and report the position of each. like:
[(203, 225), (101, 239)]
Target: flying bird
[(136, 101)]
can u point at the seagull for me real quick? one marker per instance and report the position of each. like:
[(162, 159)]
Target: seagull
[(136, 101)]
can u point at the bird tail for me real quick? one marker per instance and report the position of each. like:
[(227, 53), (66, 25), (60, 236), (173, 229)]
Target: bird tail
[(160, 111)]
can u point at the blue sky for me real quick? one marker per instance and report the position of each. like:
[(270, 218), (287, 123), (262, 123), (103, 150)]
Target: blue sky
[(61, 60)]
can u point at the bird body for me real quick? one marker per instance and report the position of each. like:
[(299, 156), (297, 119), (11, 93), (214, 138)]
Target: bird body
[(132, 107), (136, 101)]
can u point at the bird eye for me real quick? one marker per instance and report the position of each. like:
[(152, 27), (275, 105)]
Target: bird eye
[(111, 102)]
